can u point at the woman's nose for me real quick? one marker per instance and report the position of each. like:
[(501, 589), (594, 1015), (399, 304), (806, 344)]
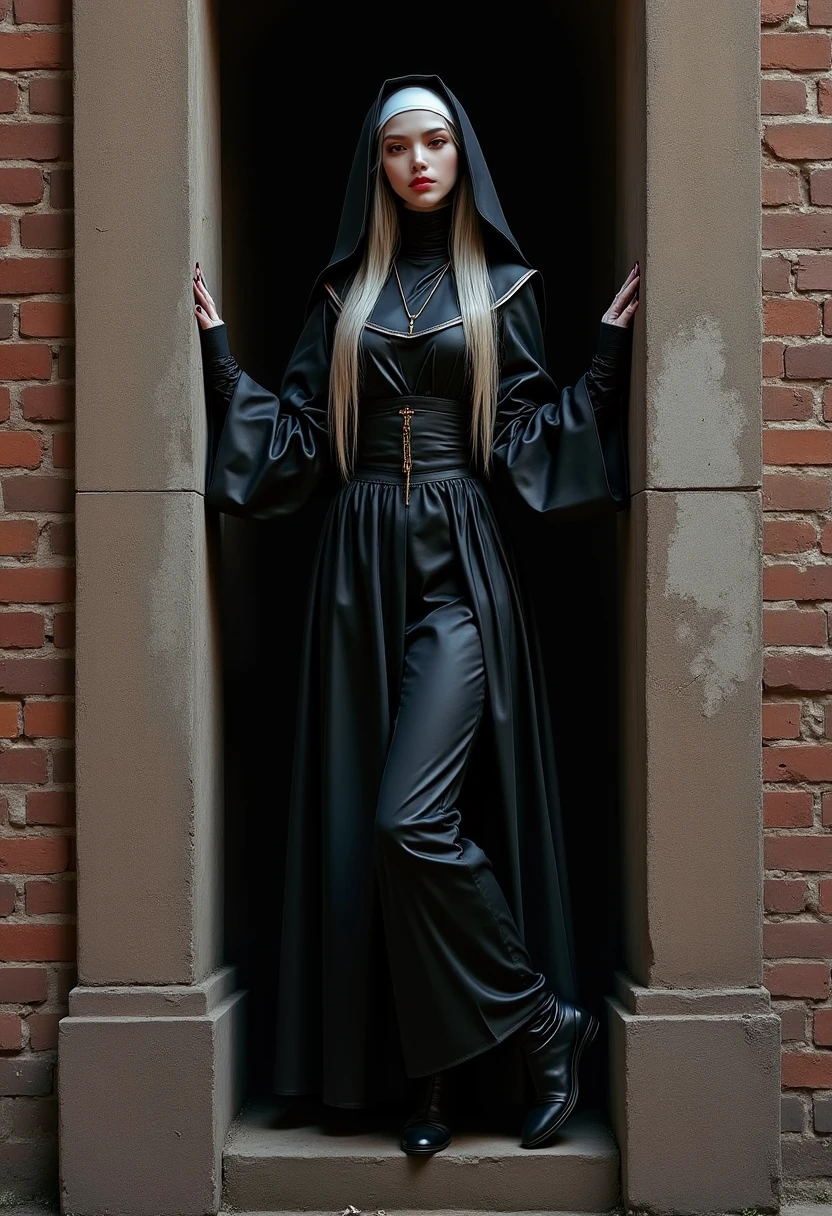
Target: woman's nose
[(419, 161)]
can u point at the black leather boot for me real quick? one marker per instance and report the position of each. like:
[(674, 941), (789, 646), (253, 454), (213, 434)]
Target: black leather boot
[(553, 1042), (427, 1130)]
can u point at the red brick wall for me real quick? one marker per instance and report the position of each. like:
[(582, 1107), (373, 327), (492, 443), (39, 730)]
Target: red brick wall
[(37, 934), (797, 580)]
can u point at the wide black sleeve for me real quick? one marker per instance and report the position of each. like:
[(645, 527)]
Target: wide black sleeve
[(561, 450), (267, 452)]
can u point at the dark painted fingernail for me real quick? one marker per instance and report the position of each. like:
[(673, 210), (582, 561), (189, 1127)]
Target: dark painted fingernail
[(198, 308)]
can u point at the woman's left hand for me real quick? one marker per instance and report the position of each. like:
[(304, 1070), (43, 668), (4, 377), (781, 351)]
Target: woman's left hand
[(623, 308)]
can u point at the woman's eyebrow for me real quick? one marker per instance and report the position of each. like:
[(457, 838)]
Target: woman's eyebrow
[(431, 131)]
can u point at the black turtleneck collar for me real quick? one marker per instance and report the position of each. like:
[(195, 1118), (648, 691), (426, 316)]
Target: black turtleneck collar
[(425, 234)]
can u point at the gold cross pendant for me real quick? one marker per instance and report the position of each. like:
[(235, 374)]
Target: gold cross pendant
[(410, 326)]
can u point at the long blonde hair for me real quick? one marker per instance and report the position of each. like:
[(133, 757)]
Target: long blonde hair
[(473, 286)]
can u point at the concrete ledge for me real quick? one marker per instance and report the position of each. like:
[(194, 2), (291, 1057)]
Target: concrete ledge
[(678, 1002), (145, 1107), (692, 1098), (166, 1000)]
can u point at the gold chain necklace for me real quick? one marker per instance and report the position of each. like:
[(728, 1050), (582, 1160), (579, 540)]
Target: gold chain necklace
[(414, 316)]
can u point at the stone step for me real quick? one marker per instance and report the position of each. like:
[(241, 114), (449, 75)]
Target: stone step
[(274, 1167)]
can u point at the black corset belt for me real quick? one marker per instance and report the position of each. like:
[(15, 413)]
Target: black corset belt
[(410, 440)]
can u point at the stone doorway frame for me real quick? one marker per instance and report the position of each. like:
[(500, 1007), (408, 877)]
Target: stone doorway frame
[(150, 1054)]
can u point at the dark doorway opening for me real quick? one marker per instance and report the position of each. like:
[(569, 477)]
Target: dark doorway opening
[(539, 87)]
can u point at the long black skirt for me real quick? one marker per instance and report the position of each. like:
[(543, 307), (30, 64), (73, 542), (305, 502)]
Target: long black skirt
[(426, 905)]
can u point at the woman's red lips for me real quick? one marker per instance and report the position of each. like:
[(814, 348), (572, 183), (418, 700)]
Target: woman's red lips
[(422, 181)]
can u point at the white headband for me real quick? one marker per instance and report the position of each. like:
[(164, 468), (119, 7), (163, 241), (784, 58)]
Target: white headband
[(413, 98)]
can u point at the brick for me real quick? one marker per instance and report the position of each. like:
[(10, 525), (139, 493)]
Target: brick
[(798, 762), (22, 766), (34, 50), (824, 97), (62, 540), (797, 939), (34, 1117), (792, 1117), (53, 319), (64, 630), (35, 140), (18, 537), (820, 187), (8, 898), (822, 1027), (799, 140), (804, 853), (20, 449), (820, 12), (25, 361), (66, 362), (29, 585), (807, 446), (813, 272), (781, 720), (784, 808), (50, 95), (38, 492), (9, 719), (798, 672), (774, 354), (53, 808), (61, 189), (806, 1070), (825, 895), (826, 538), (9, 96), (788, 582), (63, 450), (782, 895), (776, 271), (20, 630), (50, 898), (794, 492), (34, 854), (821, 1113), (795, 52), (25, 1074), (792, 1024), (41, 943), (781, 403), (54, 402), (6, 321), (21, 186), (5, 230), (20, 677), (782, 96), (790, 317), (5, 404), (52, 230), (797, 230), (65, 980), (23, 985), (42, 12), (788, 536), (50, 719), (772, 12), (43, 1031), (780, 186), (810, 362), (35, 276), (11, 1032), (63, 765), (808, 980)]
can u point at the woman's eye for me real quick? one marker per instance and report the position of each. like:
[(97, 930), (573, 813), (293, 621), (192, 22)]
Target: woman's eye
[(439, 142), (395, 147)]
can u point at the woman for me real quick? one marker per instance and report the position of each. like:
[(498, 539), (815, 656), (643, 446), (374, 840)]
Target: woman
[(417, 383)]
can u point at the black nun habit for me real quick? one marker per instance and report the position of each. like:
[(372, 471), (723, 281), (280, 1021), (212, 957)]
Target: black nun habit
[(426, 910)]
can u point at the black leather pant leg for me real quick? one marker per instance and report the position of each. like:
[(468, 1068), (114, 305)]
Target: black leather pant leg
[(461, 974)]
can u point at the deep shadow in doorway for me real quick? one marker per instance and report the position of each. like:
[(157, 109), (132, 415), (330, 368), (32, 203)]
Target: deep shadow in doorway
[(539, 88)]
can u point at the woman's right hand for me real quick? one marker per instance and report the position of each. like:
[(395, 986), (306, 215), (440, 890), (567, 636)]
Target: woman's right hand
[(205, 309)]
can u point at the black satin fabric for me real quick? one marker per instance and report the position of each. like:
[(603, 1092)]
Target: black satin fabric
[(425, 909)]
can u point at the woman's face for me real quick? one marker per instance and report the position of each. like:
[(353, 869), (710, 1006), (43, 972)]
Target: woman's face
[(420, 159)]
